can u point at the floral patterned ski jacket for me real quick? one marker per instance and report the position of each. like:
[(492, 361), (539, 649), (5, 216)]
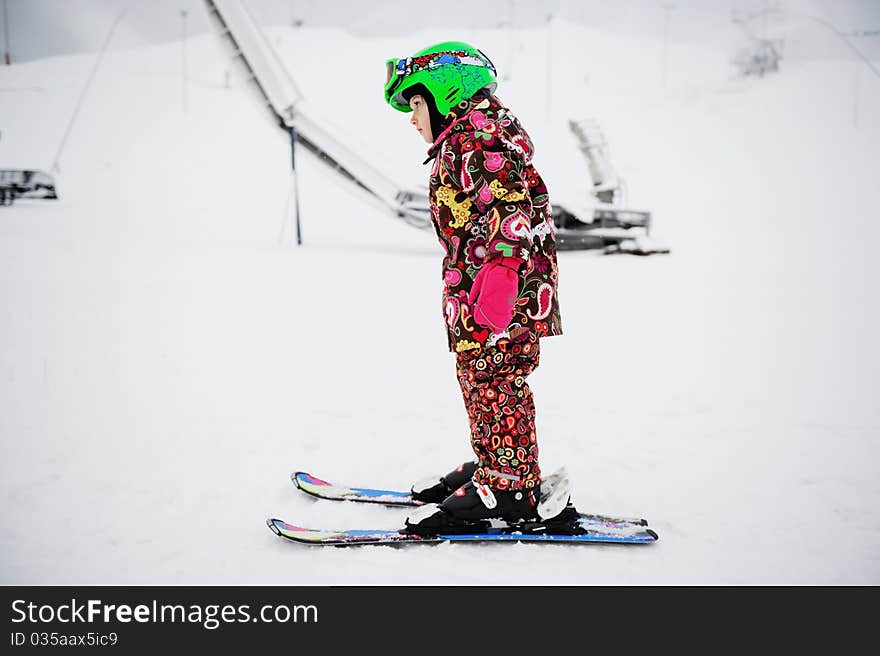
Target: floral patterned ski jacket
[(487, 201)]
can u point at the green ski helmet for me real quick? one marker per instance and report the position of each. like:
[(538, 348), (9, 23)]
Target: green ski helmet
[(452, 71)]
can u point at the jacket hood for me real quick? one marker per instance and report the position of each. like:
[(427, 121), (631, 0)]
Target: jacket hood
[(484, 113), (458, 115)]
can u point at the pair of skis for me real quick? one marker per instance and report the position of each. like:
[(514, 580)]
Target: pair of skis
[(591, 528)]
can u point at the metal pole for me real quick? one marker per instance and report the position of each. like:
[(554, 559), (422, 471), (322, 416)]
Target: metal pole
[(284, 237), (296, 184), (183, 13), (6, 34), (666, 9), (856, 97), (549, 63), (510, 47)]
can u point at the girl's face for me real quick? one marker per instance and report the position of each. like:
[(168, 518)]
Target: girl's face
[(420, 117)]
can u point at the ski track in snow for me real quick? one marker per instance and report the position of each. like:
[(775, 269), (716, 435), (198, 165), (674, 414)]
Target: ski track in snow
[(159, 382)]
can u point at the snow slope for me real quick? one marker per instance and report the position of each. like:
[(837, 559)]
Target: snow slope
[(159, 381)]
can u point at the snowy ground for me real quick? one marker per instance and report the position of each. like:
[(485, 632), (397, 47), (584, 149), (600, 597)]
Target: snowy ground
[(159, 379)]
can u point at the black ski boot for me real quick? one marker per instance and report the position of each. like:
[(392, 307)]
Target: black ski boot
[(472, 508), (435, 491)]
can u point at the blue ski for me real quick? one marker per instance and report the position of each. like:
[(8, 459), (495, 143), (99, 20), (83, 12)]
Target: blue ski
[(588, 533)]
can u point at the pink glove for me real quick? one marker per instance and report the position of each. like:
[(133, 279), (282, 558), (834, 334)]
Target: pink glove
[(495, 290)]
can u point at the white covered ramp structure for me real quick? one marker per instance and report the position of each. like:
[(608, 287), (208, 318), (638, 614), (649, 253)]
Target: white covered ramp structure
[(588, 222)]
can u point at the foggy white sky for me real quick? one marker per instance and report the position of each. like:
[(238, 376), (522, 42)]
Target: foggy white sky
[(41, 28)]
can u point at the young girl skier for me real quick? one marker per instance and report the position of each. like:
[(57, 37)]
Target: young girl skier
[(491, 212)]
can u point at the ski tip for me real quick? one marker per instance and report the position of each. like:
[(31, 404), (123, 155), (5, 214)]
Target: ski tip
[(652, 533), (300, 477), (271, 524)]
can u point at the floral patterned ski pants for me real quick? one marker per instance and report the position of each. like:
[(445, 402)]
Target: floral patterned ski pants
[(501, 412)]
